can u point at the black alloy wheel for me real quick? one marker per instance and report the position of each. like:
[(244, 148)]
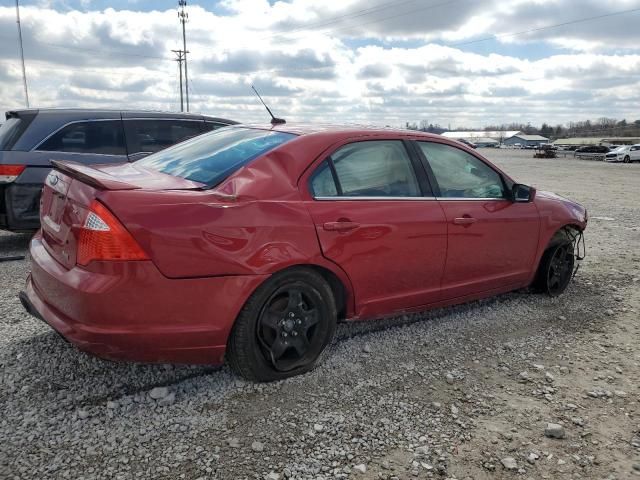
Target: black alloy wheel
[(284, 326), (287, 329), (560, 261)]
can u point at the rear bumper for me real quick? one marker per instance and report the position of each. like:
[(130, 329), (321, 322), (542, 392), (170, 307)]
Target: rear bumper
[(129, 311)]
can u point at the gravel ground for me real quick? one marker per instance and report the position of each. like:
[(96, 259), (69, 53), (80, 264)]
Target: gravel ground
[(520, 386)]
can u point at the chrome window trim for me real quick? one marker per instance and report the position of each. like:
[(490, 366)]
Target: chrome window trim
[(344, 198), (457, 199), (163, 118), (473, 199)]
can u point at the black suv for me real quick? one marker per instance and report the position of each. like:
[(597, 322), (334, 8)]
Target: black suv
[(593, 149), (30, 139)]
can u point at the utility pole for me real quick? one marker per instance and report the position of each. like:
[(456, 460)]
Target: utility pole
[(180, 58), (24, 71), (184, 17)]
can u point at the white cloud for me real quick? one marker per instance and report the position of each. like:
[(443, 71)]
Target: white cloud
[(348, 61)]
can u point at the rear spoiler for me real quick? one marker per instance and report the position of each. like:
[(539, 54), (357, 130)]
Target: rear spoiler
[(91, 176)]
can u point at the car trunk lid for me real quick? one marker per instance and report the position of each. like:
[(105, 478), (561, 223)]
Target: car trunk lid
[(70, 189)]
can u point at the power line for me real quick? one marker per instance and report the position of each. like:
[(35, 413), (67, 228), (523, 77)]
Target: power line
[(339, 18), (94, 50), (547, 27), (428, 7)]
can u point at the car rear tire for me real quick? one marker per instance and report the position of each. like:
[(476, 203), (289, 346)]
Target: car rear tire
[(556, 268), (627, 159), (284, 327)]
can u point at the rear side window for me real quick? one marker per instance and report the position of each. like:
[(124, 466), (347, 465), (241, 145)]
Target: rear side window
[(461, 175), (211, 157), (380, 168), (102, 137), (12, 129), (153, 135)]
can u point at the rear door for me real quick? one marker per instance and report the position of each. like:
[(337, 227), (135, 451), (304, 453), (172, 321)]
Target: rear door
[(492, 241), (376, 218)]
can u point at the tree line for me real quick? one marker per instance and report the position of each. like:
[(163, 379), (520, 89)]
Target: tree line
[(603, 127)]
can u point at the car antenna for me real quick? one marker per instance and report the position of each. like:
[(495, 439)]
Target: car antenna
[(274, 120)]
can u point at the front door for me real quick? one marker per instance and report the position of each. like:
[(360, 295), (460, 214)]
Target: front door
[(492, 240), (376, 218)]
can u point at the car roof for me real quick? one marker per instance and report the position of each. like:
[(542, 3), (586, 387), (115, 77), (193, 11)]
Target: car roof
[(339, 129), (109, 112)]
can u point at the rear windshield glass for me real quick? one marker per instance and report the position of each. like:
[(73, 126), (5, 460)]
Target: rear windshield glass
[(212, 157), (10, 131)]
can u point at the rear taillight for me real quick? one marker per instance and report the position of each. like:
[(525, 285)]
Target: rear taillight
[(8, 173), (103, 237)]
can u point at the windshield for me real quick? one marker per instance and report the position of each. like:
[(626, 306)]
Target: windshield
[(620, 149), (212, 157)]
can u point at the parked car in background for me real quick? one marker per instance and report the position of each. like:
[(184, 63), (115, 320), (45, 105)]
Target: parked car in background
[(252, 243), (625, 153), (30, 139), (594, 152), (600, 149)]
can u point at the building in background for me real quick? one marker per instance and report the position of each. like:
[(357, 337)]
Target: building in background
[(475, 136), (526, 140)]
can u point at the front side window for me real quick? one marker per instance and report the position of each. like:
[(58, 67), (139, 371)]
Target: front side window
[(461, 175), (152, 135), (102, 137), (211, 157), (380, 168)]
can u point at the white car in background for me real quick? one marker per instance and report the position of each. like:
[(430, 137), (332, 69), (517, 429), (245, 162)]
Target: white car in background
[(625, 153)]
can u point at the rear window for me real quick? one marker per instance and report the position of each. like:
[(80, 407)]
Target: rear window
[(11, 130), (212, 157)]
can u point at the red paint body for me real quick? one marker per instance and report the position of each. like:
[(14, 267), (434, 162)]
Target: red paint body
[(209, 250)]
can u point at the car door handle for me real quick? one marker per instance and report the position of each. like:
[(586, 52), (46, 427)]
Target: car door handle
[(340, 226), (464, 220)]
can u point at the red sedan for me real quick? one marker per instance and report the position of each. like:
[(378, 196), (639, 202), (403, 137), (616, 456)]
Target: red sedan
[(253, 242)]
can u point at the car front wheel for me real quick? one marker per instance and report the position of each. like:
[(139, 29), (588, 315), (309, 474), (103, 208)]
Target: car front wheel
[(556, 269), (284, 327), (627, 159)]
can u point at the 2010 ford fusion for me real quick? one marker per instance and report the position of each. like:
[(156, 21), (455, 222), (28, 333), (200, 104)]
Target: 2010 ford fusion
[(253, 242)]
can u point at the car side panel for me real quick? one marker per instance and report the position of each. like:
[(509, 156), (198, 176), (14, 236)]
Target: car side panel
[(196, 234), (394, 257), (498, 250)]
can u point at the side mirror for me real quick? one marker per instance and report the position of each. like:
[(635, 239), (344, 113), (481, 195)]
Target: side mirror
[(522, 193)]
